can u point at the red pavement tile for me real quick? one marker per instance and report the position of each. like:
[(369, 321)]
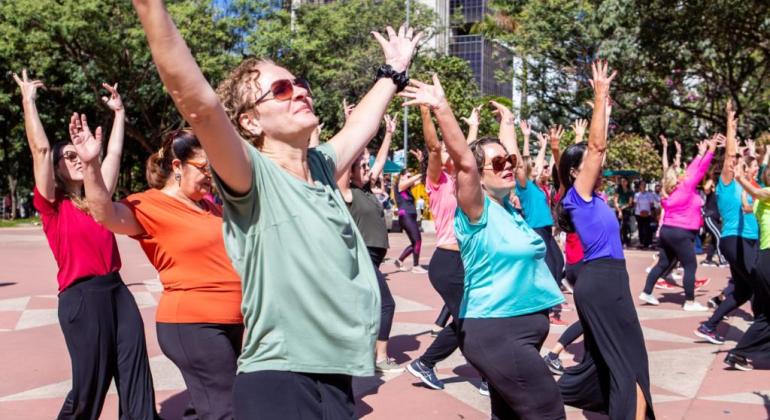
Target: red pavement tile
[(40, 302), (8, 320), (701, 409)]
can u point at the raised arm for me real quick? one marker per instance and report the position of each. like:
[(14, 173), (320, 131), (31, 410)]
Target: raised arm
[(470, 197), (194, 97), (434, 147), (700, 165), (408, 182), (664, 155), (540, 159), (364, 121), (114, 216), (554, 135), (382, 153), (473, 125), (731, 145), (42, 158), (315, 138), (579, 126), (748, 187), (507, 136), (111, 163), (597, 136), (678, 155)]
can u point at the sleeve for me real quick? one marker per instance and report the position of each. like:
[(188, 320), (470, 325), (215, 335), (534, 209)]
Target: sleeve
[(144, 210), (243, 209), (697, 170), (573, 200), (431, 188), (43, 206), (463, 226), (328, 155)]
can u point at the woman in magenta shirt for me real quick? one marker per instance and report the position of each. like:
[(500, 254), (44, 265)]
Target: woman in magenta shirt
[(682, 219), (101, 323)]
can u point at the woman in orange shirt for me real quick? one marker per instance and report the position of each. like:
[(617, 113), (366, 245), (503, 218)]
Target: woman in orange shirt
[(199, 321)]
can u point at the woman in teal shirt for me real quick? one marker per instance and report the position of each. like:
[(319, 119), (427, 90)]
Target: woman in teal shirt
[(508, 288)]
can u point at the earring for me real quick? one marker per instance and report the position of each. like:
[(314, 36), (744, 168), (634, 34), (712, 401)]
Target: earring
[(178, 178)]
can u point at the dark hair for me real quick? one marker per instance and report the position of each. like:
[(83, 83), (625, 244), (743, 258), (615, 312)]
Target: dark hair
[(178, 144), (79, 201), (477, 148), (569, 160)]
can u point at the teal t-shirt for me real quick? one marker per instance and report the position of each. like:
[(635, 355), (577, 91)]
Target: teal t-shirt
[(534, 204), (310, 297), (505, 271), (734, 221)]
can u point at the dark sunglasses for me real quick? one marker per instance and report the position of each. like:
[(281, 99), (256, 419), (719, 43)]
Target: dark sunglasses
[(70, 155), (283, 89), (498, 162)]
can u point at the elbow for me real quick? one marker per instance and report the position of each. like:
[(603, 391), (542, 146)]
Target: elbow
[(597, 147), (467, 163), (197, 107)]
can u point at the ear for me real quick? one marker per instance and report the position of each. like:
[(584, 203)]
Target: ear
[(249, 123), (176, 164)]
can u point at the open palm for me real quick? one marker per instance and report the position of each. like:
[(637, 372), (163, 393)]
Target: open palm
[(421, 93), (87, 145)]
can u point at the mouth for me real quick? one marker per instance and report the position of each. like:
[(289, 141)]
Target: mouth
[(304, 107), (507, 175)]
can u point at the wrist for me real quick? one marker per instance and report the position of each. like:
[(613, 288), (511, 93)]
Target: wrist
[(396, 74)]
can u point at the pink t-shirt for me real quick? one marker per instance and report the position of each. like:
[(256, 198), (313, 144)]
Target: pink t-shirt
[(682, 208), (443, 204), (81, 247)]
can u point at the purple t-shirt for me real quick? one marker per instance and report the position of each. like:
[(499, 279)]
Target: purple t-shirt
[(596, 225)]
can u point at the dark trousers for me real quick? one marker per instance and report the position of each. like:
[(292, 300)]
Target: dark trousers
[(387, 304), (644, 226), (755, 342), (104, 333), (713, 231), (447, 275), (506, 351), (281, 395), (574, 331), (207, 356), (741, 253), (676, 244), (443, 317), (409, 223), (553, 256), (625, 226)]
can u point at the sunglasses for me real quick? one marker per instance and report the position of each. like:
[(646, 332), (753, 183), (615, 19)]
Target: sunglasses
[(498, 163), (283, 89), (70, 155), (204, 167)]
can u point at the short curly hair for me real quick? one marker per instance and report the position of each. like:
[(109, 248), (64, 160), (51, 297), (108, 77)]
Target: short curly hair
[(238, 93)]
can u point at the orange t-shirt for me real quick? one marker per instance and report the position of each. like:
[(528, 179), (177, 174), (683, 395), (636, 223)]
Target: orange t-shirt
[(186, 246)]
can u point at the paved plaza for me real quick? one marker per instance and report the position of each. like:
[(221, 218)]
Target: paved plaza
[(689, 380)]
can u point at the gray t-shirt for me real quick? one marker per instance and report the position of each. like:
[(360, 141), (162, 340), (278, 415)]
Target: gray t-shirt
[(369, 217), (310, 297)]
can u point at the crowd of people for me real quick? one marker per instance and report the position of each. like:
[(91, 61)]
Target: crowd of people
[(279, 300)]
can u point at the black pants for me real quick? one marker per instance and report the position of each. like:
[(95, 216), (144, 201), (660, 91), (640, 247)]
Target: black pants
[(676, 244), (447, 275), (625, 226), (506, 351), (104, 333), (741, 253), (576, 329), (755, 342), (280, 395), (443, 317), (408, 222), (387, 304), (644, 226), (615, 359), (553, 256), (207, 356), (713, 230)]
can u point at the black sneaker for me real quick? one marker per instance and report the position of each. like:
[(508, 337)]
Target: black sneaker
[(427, 375), (484, 388), (714, 302), (738, 362), (554, 364), (709, 335)]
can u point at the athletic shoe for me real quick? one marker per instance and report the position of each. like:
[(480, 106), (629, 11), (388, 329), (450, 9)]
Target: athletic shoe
[(425, 374), (484, 388), (434, 332), (388, 365), (649, 299), (567, 288), (738, 362), (676, 276), (399, 265), (694, 307), (709, 335), (709, 263), (554, 364), (702, 283), (662, 284), (555, 319), (419, 270), (714, 302)]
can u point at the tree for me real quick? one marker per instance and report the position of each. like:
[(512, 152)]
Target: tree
[(632, 151)]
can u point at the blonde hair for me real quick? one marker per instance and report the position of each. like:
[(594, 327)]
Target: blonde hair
[(670, 179), (238, 93)]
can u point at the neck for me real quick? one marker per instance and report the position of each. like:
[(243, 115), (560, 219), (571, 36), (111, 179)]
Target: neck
[(499, 199), (73, 188), (172, 189), (291, 157)]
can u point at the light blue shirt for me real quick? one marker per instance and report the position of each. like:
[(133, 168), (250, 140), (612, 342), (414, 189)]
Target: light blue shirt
[(505, 270), (734, 221), (534, 205)]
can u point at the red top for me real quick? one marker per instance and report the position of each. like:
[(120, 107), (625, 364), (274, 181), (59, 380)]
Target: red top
[(82, 248), (573, 249)]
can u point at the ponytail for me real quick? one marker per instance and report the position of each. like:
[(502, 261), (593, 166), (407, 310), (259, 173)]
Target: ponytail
[(569, 161), (179, 144)]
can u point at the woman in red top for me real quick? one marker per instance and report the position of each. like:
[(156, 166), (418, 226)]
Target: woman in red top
[(199, 321), (101, 323)]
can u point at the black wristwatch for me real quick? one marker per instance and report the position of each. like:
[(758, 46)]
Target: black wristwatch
[(400, 79)]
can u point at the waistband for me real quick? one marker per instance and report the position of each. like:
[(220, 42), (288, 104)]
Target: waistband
[(103, 282), (606, 263)]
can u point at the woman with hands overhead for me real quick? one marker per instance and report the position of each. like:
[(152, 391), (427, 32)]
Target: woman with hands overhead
[(407, 216), (311, 304), (507, 284), (99, 318)]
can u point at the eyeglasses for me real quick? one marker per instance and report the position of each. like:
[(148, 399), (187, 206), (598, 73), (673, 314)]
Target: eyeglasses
[(70, 155), (498, 162), (204, 167), (283, 89)]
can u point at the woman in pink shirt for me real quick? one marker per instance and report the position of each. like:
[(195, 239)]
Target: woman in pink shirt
[(101, 323), (681, 221)]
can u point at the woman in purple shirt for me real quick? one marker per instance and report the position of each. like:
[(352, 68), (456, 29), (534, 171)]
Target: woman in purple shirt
[(614, 376)]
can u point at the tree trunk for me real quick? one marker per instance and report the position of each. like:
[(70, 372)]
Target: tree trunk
[(12, 183)]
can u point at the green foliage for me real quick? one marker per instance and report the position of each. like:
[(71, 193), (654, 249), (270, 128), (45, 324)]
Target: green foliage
[(634, 152)]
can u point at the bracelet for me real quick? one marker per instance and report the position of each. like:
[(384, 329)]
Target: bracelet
[(400, 79)]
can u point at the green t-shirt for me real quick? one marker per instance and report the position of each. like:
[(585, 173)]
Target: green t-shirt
[(762, 211), (310, 297)]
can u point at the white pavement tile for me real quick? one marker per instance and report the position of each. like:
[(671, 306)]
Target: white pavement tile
[(32, 318), (144, 299), (16, 304), (658, 335), (680, 371), (406, 305), (755, 397)]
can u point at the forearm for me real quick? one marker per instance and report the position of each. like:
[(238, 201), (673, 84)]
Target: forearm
[(382, 157), (664, 158), (473, 134), (111, 164), (98, 195), (749, 188), (33, 127), (405, 184), (434, 147), (540, 159)]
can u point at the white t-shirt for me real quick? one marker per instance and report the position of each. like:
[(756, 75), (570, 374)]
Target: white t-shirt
[(644, 201)]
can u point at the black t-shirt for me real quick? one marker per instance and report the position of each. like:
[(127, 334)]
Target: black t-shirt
[(710, 209), (405, 201), (369, 217)]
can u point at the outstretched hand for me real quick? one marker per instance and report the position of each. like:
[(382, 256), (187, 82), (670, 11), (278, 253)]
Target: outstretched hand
[(347, 109), (473, 119), (114, 101), (399, 48), (390, 124), (87, 145), (417, 154), (421, 93), (580, 127), (526, 129), (554, 134), (663, 140), (678, 147), (601, 80), (28, 87)]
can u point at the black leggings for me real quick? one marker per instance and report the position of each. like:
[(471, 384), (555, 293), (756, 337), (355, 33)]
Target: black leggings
[(104, 333), (207, 356), (741, 253), (506, 351), (409, 223), (713, 229), (755, 343), (553, 256), (644, 226), (387, 304), (446, 274), (676, 244)]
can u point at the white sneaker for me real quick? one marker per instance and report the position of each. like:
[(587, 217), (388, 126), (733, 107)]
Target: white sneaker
[(400, 265), (418, 270), (567, 286), (694, 306), (648, 299)]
